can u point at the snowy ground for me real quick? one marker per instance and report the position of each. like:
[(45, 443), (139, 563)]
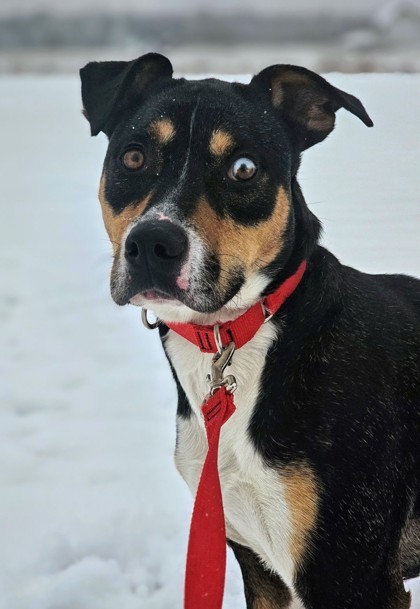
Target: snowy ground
[(92, 512)]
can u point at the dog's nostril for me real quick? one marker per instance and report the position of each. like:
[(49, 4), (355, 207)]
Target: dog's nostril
[(131, 249), (167, 251), (158, 244)]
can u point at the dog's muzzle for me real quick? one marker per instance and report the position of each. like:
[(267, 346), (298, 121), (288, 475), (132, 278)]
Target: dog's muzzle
[(155, 251)]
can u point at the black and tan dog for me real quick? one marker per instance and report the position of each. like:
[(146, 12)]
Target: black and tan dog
[(319, 466)]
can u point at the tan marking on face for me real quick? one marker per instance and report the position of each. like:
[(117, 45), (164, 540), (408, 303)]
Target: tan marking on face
[(302, 496), (220, 142), (249, 248), (164, 130), (116, 224)]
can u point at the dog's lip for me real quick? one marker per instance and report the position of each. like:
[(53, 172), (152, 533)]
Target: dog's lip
[(142, 298)]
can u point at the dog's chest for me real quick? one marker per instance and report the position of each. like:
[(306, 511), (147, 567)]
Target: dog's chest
[(256, 510)]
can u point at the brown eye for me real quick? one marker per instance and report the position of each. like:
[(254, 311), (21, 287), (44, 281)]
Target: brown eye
[(133, 159), (242, 169)]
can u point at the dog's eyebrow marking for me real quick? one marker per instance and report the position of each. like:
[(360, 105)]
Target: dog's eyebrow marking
[(164, 130), (220, 142)]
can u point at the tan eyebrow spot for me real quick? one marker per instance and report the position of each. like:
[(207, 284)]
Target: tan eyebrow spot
[(116, 224), (164, 130), (220, 142)]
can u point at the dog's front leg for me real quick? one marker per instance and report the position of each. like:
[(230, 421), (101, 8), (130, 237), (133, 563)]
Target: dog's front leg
[(263, 589)]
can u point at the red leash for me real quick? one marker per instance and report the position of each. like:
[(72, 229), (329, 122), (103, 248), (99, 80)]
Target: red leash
[(206, 558)]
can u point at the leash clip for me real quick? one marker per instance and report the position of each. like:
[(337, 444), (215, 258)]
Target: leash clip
[(220, 361)]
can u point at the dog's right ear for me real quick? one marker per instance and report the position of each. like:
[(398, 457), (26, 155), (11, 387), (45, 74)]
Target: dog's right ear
[(110, 87)]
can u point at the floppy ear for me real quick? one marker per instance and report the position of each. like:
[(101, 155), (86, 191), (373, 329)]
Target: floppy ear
[(307, 102), (109, 87)]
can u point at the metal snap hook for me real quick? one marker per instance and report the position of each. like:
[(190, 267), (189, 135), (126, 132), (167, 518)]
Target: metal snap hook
[(220, 362)]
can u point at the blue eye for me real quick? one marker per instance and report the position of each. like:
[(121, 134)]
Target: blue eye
[(242, 169)]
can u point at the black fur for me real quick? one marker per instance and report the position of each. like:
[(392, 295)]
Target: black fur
[(341, 385), (344, 378)]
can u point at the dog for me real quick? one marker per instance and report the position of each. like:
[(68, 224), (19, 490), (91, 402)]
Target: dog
[(320, 463)]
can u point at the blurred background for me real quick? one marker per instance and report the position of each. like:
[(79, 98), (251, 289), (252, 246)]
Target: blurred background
[(92, 511), (44, 36)]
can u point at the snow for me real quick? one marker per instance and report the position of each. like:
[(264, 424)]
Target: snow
[(92, 511)]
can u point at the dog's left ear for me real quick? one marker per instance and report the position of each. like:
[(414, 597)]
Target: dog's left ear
[(110, 87), (307, 102)]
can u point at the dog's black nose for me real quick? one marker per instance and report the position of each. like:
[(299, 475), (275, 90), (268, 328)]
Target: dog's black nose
[(160, 244)]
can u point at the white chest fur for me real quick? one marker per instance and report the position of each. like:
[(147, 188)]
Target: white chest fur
[(256, 510)]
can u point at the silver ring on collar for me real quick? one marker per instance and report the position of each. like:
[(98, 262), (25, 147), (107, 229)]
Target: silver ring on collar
[(146, 322), (267, 313), (217, 338)]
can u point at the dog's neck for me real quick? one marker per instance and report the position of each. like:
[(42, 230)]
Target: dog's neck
[(303, 239), (212, 339)]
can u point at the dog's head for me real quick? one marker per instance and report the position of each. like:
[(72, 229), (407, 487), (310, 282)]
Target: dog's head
[(198, 186)]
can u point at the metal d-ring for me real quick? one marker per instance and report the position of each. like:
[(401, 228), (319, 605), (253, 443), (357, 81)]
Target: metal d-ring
[(267, 313), (217, 338), (146, 322)]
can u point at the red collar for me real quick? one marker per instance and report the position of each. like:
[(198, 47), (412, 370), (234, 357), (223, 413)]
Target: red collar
[(243, 328)]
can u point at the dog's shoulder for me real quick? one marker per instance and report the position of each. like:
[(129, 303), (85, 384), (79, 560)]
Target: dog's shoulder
[(369, 304), (404, 289)]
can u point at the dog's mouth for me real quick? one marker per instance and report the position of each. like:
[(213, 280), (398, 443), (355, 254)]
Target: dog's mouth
[(205, 300), (150, 297), (204, 303), (174, 304), (202, 295), (158, 300)]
